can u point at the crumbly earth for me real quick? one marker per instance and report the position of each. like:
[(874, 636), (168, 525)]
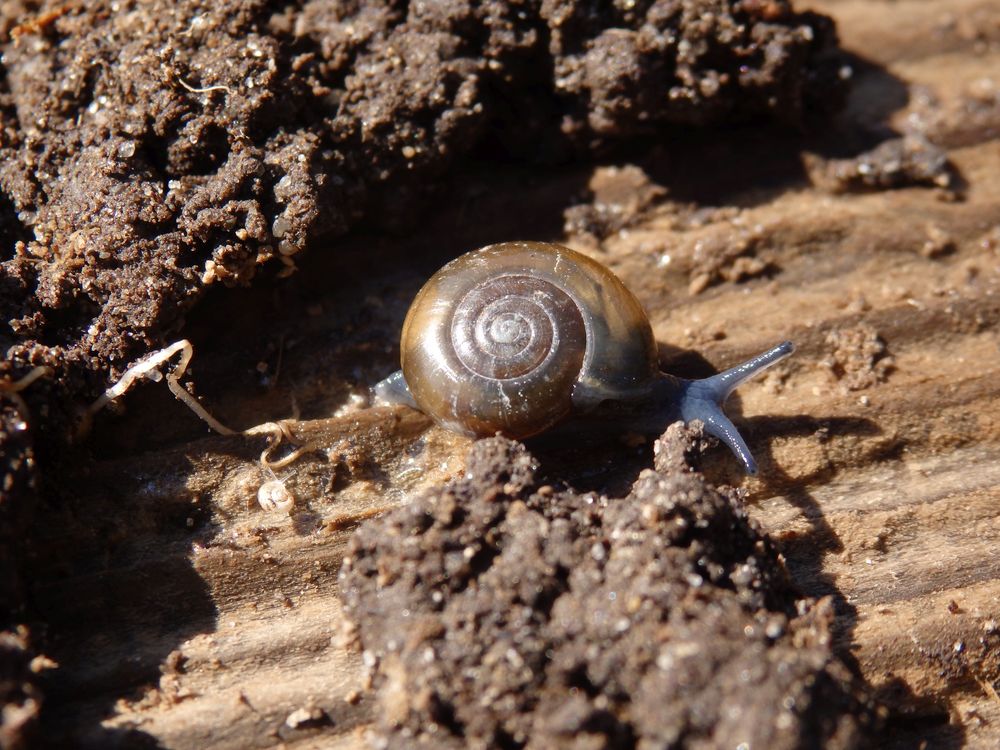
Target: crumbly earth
[(894, 163), (497, 613), (859, 357)]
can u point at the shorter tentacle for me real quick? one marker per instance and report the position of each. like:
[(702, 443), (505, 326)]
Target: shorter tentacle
[(717, 424), (394, 390), (703, 399)]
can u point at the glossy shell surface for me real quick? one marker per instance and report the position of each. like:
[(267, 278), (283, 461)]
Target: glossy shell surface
[(514, 337)]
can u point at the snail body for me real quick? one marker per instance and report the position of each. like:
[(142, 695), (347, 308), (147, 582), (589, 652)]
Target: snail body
[(517, 337)]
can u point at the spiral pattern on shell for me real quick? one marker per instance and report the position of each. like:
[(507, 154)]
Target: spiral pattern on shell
[(509, 326), (502, 338)]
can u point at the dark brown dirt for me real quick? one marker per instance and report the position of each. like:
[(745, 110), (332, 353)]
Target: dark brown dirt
[(17, 490), (151, 150), (20, 698), (497, 613)]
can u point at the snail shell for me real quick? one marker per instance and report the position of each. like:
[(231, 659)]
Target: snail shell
[(514, 337)]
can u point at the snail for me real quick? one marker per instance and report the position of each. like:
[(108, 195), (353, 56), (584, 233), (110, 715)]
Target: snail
[(518, 337)]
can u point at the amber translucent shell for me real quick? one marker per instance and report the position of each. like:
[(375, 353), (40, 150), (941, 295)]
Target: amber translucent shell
[(514, 337)]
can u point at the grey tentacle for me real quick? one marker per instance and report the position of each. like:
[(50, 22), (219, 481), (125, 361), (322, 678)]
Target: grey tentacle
[(703, 399), (393, 390), (718, 387)]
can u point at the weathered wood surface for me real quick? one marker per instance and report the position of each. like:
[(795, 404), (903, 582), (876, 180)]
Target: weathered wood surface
[(885, 498)]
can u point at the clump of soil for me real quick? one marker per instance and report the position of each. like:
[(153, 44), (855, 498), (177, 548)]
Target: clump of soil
[(620, 195), (727, 254), (895, 163), (859, 357), (958, 121), (149, 151), (495, 612)]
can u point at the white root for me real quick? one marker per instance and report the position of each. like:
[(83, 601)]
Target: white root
[(148, 368), (271, 495), (20, 384), (202, 89)]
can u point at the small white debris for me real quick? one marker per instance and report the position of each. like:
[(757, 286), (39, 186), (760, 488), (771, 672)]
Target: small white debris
[(303, 716), (274, 495)]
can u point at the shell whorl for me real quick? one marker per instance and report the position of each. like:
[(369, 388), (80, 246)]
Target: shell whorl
[(510, 326), (504, 338)]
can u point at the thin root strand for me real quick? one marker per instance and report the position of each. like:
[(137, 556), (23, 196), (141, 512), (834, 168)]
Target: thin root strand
[(279, 432), (148, 368)]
